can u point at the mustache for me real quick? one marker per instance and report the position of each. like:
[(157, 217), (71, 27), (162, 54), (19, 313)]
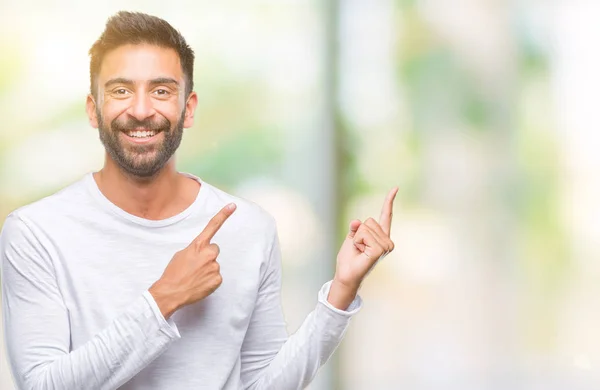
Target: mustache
[(132, 123)]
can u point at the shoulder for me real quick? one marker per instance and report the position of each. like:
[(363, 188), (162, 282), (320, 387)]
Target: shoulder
[(247, 214), (48, 209)]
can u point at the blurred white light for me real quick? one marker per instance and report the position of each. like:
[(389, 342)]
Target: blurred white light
[(582, 362), (48, 160)]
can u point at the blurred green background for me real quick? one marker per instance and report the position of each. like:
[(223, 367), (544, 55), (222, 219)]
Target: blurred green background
[(482, 112)]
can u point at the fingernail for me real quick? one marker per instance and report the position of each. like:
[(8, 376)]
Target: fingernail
[(231, 206)]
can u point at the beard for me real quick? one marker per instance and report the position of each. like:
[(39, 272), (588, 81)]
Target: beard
[(142, 161)]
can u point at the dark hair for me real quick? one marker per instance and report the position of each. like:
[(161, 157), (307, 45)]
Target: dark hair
[(137, 28)]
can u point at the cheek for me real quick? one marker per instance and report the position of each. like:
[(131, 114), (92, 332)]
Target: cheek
[(112, 110), (172, 112)]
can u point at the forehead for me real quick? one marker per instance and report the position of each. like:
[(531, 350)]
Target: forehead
[(140, 63)]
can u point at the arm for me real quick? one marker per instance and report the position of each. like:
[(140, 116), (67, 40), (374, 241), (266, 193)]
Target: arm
[(37, 329), (269, 361)]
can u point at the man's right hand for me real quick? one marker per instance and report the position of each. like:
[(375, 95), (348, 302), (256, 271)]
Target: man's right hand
[(193, 273)]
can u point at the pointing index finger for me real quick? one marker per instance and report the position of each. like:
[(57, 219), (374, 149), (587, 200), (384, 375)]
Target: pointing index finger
[(385, 220), (214, 225)]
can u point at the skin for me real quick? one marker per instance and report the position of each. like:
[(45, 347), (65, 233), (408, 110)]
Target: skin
[(166, 193), (143, 86), (365, 244)]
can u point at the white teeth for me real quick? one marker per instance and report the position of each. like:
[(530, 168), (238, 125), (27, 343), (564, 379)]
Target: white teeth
[(141, 134)]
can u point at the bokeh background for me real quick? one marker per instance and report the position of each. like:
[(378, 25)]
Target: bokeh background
[(484, 113)]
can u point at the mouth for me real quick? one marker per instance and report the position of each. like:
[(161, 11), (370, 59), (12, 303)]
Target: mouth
[(141, 135)]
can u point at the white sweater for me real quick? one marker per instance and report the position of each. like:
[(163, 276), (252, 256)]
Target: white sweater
[(78, 315)]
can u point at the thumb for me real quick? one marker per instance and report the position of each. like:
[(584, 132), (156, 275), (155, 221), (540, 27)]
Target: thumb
[(354, 225)]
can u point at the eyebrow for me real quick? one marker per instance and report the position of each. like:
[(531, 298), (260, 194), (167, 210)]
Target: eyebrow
[(156, 81), (163, 80)]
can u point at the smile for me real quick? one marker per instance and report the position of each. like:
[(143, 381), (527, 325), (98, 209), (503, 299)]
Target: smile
[(141, 133), (141, 136)]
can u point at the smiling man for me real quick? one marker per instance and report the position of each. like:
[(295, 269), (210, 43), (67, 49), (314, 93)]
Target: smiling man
[(142, 277)]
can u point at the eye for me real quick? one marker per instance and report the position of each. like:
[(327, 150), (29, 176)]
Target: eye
[(120, 91), (161, 92)]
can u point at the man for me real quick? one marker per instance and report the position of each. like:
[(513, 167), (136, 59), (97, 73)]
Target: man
[(141, 277)]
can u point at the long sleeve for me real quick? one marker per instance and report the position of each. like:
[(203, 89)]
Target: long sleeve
[(271, 360), (37, 328)]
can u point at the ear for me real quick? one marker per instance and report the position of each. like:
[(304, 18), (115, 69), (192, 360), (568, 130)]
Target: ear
[(190, 108), (90, 108)]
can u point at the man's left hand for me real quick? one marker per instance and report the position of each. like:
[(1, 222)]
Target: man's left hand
[(366, 243)]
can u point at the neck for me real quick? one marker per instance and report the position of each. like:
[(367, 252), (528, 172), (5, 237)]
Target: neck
[(161, 196)]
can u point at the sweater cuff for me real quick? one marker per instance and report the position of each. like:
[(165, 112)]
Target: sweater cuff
[(167, 326), (354, 307)]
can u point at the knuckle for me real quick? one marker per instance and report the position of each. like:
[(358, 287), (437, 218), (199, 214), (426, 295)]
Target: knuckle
[(219, 218), (213, 251), (197, 244), (217, 223)]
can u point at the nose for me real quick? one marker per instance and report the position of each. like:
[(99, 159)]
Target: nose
[(141, 107)]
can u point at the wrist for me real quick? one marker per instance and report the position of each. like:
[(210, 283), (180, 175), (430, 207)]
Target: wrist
[(165, 299), (341, 294)]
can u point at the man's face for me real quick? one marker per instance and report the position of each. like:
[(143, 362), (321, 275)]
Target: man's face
[(141, 107)]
